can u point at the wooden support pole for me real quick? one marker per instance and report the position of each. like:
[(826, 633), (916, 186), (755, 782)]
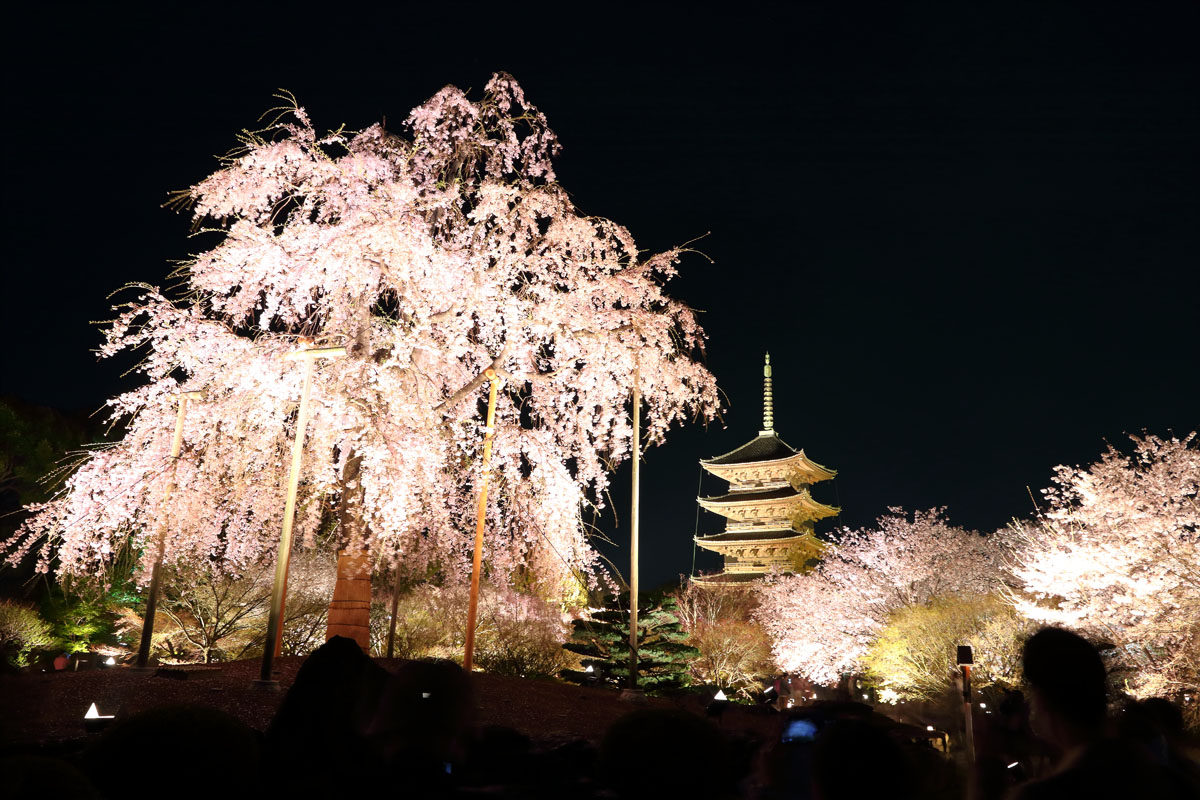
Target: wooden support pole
[(143, 657), (283, 557), (633, 534), (480, 519)]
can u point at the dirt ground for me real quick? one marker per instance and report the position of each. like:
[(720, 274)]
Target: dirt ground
[(45, 710)]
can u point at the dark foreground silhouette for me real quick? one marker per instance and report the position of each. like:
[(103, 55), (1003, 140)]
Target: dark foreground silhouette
[(347, 725), (1068, 712)]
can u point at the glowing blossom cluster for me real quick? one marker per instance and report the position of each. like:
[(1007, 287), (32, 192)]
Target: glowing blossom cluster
[(822, 622), (1117, 556), (432, 257)]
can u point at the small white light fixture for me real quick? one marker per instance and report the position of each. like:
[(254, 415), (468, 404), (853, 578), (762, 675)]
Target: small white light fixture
[(110, 661), (720, 695), (1015, 763), (769, 689), (424, 695), (983, 705), (865, 697), (589, 669), (94, 721), (929, 727), (791, 702)]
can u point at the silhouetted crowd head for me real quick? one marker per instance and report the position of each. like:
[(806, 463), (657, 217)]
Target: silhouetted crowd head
[(1067, 678), (1093, 756)]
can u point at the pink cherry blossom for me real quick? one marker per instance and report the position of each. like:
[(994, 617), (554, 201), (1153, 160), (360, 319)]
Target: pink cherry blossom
[(1117, 556), (432, 255), (822, 622)]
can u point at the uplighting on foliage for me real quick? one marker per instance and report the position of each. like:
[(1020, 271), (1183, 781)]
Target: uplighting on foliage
[(1114, 555), (433, 252), (821, 623)]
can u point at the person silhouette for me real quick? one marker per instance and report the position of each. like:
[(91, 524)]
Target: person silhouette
[(1067, 683), (318, 735)]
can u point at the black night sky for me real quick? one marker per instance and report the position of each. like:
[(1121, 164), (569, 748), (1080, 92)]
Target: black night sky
[(969, 238)]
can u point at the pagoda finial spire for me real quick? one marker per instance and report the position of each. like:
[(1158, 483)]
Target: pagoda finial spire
[(768, 401)]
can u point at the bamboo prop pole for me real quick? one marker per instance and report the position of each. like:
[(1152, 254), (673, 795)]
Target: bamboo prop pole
[(143, 657), (480, 519), (283, 558), (633, 534)]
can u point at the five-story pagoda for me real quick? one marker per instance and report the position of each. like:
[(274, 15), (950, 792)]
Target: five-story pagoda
[(768, 509)]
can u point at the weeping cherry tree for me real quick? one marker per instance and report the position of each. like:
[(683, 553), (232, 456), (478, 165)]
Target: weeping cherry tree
[(432, 255)]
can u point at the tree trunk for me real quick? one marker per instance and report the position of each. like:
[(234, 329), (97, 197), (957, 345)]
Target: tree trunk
[(350, 609)]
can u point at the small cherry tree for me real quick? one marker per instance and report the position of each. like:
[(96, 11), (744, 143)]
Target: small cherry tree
[(822, 622), (1117, 556), (734, 650), (432, 255)]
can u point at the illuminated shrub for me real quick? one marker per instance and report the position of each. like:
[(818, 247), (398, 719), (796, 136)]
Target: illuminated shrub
[(516, 633), (914, 655), (734, 650), (22, 631)]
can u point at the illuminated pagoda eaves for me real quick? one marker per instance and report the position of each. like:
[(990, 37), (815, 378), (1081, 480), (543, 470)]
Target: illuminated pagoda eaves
[(769, 510)]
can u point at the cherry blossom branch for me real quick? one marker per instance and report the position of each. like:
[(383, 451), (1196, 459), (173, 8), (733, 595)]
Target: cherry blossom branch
[(448, 405)]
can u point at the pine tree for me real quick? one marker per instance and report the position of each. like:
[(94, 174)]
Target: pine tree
[(603, 641)]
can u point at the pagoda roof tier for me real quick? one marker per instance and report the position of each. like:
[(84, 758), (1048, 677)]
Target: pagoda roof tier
[(727, 578), (764, 447), (750, 495), (767, 459), (773, 535), (763, 551), (784, 503)]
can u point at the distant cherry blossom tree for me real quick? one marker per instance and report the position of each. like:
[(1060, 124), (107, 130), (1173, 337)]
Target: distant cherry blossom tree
[(432, 255), (1117, 556), (814, 627), (822, 622)]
